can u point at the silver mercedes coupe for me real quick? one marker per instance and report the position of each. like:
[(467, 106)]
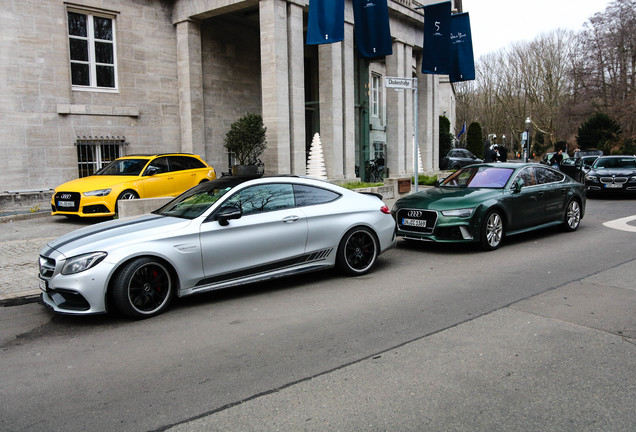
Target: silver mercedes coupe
[(222, 233)]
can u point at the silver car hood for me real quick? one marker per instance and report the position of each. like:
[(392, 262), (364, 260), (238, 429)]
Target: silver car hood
[(107, 235)]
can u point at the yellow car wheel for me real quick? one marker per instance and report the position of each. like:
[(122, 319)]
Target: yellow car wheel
[(126, 195)]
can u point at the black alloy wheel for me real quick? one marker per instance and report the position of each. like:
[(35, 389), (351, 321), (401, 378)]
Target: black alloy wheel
[(357, 251), (143, 288)]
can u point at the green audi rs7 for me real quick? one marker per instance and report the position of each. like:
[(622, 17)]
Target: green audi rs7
[(483, 203)]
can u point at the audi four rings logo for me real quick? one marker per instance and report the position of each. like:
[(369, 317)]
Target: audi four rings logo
[(65, 196), (415, 214)]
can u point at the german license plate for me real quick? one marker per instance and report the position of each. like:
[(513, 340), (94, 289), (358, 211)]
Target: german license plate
[(420, 223), (43, 285), (65, 204), (613, 185)]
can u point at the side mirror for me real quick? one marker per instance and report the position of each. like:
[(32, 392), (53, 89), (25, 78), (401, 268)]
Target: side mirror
[(152, 171), (228, 213), (518, 185)]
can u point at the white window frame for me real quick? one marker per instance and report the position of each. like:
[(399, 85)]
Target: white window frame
[(91, 40), (376, 79)]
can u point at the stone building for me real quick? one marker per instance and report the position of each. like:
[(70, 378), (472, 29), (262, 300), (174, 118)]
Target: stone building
[(84, 81)]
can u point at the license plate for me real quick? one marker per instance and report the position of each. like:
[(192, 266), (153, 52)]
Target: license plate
[(613, 185), (43, 285), (414, 222), (65, 204)]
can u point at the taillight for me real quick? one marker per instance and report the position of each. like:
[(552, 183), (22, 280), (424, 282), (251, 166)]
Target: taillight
[(384, 209)]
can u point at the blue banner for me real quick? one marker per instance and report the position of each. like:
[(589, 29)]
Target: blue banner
[(436, 53), (326, 22), (463, 60), (462, 131), (372, 30)]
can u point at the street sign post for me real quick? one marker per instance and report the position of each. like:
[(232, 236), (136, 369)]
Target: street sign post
[(399, 83), (408, 84)]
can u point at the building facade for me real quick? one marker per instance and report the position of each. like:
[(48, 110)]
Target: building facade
[(85, 81)]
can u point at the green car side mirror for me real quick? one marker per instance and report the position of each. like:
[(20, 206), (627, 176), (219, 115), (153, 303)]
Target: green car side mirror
[(518, 185)]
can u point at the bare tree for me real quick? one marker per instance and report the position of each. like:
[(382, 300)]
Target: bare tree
[(609, 64), (558, 80)]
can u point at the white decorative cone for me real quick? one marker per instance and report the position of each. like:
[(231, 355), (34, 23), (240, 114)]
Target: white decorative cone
[(316, 162)]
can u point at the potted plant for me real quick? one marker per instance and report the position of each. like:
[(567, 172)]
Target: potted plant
[(246, 141)]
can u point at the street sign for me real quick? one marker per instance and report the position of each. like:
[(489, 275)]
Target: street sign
[(399, 83)]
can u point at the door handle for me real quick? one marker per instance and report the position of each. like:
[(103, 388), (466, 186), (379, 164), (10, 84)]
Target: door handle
[(290, 219)]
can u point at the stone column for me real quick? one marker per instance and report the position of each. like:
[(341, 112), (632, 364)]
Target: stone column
[(428, 119), (275, 84), (349, 73), (190, 87), (297, 89), (396, 112), (330, 93)]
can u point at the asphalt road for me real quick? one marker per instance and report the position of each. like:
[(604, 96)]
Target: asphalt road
[(436, 338)]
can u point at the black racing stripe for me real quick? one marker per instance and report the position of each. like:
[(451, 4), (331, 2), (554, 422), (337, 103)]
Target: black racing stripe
[(106, 228), (288, 263)]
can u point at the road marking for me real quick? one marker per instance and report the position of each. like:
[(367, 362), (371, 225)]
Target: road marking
[(622, 224)]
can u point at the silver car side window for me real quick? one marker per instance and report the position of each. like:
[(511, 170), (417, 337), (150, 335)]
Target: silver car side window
[(263, 198)]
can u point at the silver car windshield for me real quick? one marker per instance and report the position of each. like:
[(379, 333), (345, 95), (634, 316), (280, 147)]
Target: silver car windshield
[(478, 177), (194, 202)]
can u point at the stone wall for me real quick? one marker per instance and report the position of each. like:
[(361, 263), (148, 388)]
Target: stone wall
[(41, 115), (23, 202)]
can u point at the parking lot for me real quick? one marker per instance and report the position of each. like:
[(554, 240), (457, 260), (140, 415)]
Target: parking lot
[(537, 335)]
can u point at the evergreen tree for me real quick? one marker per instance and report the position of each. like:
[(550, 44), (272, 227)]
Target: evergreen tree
[(599, 132), (445, 137), (475, 140)]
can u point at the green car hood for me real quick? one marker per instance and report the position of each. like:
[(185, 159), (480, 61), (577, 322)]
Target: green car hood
[(446, 198)]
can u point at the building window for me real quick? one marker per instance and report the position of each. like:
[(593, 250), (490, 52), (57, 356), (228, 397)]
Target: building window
[(92, 51), (95, 153), (375, 95)]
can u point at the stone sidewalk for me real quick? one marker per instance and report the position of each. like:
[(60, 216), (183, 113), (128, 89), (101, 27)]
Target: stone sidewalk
[(19, 262)]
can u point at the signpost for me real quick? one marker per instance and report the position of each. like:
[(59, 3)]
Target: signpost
[(408, 84)]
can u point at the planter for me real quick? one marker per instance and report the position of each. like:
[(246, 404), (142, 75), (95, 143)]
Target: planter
[(245, 170)]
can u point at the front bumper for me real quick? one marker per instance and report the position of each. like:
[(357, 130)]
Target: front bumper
[(81, 293), (435, 227), (83, 206)]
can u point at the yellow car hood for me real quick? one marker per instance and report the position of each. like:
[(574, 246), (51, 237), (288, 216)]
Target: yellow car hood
[(91, 183)]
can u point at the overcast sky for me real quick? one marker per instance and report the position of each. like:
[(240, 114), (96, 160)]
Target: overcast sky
[(497, 23)]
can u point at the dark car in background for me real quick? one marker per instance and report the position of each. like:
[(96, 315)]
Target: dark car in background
[(579, 165), (612, 174), (485, 202), (547, 158), (458, 158)]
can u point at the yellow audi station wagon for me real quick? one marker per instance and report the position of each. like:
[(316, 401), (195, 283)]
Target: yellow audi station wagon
[(130, 177)]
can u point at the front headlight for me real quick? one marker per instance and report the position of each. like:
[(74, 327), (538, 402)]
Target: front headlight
[(592, 179), (100, 192), (81, 263), (458, 213)]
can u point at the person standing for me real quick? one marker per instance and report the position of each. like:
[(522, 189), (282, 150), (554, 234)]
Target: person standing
[(557, 159), (490, 155), (503, 154)]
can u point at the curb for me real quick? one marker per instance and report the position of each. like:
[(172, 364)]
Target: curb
[(8, 216), (20, 300)]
